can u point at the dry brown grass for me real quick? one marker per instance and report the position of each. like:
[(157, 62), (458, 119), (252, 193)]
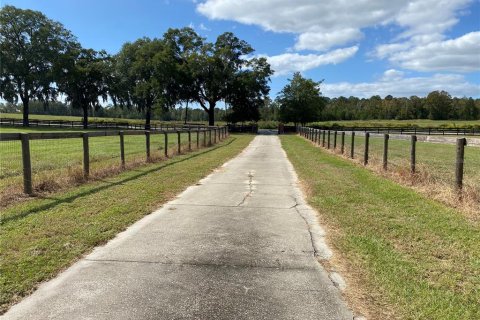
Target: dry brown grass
[(466, 200)]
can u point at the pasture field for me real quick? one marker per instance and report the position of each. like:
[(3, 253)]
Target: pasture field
[(421, 123), (404, 255), (58, 162), (44, 235)]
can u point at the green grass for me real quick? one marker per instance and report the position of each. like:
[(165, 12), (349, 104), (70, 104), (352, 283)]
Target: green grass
[(42, 236), (58, 158), (412, 254), (422, 123), (438, 160)]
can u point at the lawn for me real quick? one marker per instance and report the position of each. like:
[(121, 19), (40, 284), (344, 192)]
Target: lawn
[(435, 167), (422, 123), (59, 159), (404, 255), (42, 236)]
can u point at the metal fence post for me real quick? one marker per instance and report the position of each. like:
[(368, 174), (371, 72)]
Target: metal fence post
[(413, 153), (86, 156), (386, 136), (352, 148), (461, 143), (27, 164), (367, 143), (122, 149)]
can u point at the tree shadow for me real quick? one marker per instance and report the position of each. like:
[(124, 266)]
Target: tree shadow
[(57, 201)]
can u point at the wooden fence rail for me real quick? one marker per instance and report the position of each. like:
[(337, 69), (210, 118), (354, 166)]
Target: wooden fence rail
[(314, 134), (25, 139)]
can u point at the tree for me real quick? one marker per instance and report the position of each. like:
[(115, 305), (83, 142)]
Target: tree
[(83, 80), (439, 104), (139, 75), (300, 100), (30, 47), (214, 69), (248, 90)]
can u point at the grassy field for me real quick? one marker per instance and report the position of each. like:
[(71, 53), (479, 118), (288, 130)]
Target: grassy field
[(423, 123), (58, 162), (435, 168), (42, 236), (404, 255)]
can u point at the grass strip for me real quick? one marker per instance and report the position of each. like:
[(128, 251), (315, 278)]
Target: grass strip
[(42, 236), (407, 253)]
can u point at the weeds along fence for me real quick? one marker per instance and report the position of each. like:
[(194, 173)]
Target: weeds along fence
[(448, 162), (46, 161)]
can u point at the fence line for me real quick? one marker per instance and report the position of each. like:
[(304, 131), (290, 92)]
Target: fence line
[(114, 125), (217, 133), (314, 135), (473, 131)]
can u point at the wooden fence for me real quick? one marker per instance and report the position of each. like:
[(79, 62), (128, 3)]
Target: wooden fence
[(473, 131), (333, 139), (113, 125), (215, 134)]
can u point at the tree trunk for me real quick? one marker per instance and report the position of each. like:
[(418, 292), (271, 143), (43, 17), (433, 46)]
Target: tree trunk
[(186, 113), (26, 111), (211, 114), (85, 117), (148, 116)]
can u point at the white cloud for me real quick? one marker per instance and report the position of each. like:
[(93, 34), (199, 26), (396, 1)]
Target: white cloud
[(395, 84), (456, 55), (328, 24), (288, 63), (322, 41)]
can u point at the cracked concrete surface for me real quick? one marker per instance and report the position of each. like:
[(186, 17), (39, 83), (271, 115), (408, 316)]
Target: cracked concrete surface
[(241, 244)]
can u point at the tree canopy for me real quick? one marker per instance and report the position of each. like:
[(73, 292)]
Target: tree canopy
[(31, 46), (300, 100)]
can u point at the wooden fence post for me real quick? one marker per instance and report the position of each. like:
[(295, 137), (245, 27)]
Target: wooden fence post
[(147, 144), (27, 164), (214, 135), (209, 137), (386, 137), (179, 142), (461, 143), (189, 140), (122, 149), (323, 138), (335, 140), (367, 144), (198, 138), (352, 148), (342, 143), (328, 139), (86, 156), (204, 138), (166, 144), (316, 136), (413, 153)]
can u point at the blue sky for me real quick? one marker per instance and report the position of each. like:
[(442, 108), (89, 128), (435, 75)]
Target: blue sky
[(359, 47)]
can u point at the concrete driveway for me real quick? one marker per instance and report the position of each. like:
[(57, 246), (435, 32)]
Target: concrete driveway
[(240, 244)]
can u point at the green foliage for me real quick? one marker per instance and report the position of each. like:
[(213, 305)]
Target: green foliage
[(439, 104), (31, 47), (300, 100)]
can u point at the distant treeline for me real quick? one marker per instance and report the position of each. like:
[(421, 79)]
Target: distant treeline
[(57, 108)]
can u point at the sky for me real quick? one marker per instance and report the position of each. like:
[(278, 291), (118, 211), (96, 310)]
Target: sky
[(357, 47)]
